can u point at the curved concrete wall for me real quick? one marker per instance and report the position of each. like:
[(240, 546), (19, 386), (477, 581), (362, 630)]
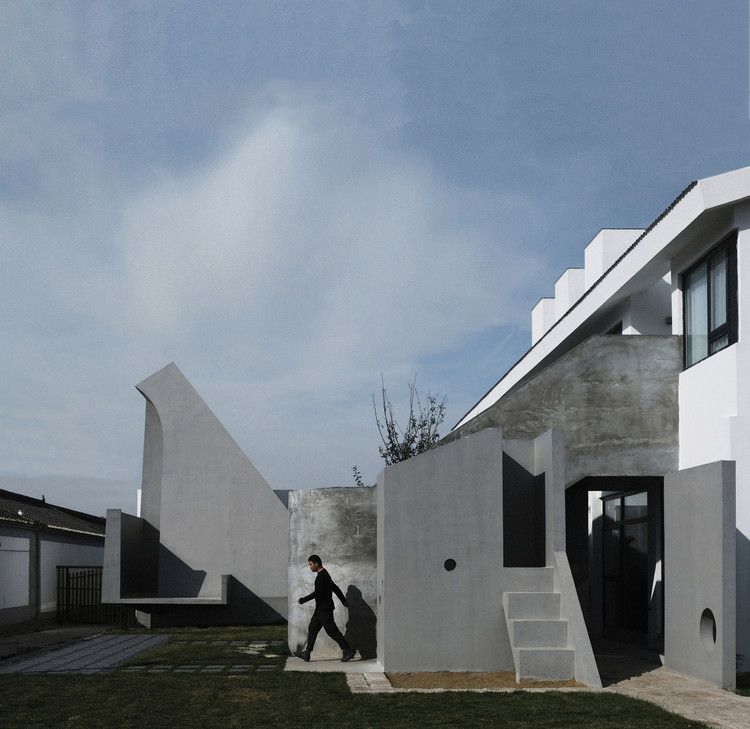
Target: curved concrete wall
[(213, 514)]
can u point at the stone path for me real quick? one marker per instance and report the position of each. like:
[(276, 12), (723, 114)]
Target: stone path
[(93, 655), (101, 653), (688, 697)]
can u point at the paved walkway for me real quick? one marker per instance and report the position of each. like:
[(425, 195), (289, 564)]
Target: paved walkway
[(96, 654), (688, 697)]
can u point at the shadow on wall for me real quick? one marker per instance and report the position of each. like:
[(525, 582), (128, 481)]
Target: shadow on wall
[(241, 603), (176, 577), (743, 568), (360, 628)]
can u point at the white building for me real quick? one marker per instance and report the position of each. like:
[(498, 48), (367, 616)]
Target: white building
[(656, 424)]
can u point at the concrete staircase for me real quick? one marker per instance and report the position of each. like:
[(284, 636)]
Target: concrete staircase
[(538, 634)]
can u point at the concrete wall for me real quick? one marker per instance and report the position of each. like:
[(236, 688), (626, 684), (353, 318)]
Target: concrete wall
[(131, 563), (699, 553), (614, 397), (339, 525), (214, 514), (445, 504)]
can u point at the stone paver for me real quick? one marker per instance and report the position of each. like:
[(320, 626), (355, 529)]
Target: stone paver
[(94, 655), (688, 697)]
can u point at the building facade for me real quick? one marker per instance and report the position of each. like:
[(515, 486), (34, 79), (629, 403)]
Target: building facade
[(36, 538), (639, 359)]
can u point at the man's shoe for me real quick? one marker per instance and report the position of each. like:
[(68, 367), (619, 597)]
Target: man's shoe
[(304, 655), (348, 655)]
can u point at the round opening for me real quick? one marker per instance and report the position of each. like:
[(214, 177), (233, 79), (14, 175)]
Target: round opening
[(708, 630), (450, 564)]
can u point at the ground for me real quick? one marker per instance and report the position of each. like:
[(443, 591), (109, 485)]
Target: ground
[(457, 680)]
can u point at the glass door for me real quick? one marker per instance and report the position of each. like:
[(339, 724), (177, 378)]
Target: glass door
[(626, 561)]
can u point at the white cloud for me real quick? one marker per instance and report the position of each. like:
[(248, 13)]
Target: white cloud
[(282, 276), (315, 240)]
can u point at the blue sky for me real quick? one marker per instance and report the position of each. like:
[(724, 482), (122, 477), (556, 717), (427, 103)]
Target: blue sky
[(289, 198)]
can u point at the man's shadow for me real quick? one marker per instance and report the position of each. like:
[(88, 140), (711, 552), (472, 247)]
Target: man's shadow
[(360, 629)]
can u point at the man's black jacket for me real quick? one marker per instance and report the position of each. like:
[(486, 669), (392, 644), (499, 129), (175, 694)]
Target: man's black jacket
[(323, 593)]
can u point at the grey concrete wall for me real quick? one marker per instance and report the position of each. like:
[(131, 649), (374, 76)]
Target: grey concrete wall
[(214, 513), (615, 398), (131, 566), (443, 504), (338, 524), (700, 578)]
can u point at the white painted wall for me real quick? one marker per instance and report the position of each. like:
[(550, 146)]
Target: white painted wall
[(14, 568), (648, 312), (708, 398), (56, 551)]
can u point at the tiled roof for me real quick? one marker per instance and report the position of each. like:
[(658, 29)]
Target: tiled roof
[(37, 513)]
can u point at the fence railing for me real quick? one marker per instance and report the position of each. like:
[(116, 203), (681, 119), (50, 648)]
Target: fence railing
[(79, 599)]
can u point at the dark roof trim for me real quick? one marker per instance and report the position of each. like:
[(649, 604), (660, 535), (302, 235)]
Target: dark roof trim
[(21, 510)]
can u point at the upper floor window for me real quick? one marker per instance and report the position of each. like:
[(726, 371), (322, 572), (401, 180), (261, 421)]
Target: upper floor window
[(710, 302)]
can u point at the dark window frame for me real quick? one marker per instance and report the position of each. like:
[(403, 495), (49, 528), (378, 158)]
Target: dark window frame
[(728, 329)]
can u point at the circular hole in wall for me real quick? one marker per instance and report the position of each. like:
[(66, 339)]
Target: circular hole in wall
[(449, 564), (708, 630)]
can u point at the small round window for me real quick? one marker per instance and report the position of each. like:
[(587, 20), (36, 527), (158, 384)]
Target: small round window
[(449, 564)]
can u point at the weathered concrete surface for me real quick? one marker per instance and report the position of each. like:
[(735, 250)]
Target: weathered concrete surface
[(700, 554), (615, 398), (339, 525), (209, 513)]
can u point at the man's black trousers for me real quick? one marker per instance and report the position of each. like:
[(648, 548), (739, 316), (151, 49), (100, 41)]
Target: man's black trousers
[(324, 619)]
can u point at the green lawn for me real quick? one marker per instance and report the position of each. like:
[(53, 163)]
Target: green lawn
[(257, 693)]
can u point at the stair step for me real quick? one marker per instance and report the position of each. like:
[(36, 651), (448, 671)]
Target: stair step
[(529, 605), (545, 664), (539, 633)]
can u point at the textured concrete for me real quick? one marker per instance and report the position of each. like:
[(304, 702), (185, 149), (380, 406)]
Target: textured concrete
[(700, 552), (614, 397), (339, 524), (206, 514)]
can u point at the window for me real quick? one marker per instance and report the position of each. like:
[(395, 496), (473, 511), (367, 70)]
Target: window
[(710, 302)]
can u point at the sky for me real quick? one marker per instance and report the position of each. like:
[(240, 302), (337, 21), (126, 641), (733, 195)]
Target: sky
[(291, 199)]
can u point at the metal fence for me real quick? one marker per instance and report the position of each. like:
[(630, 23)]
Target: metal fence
[(79, 599)]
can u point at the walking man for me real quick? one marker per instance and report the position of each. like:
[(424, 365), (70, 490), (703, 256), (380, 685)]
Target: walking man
[(323, 615)]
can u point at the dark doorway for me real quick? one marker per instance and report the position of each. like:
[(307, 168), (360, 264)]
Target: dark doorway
[(614, 531)]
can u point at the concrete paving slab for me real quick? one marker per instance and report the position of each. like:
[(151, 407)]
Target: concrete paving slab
[(688, 697), (96, 654), (331, 665), (55, 636)]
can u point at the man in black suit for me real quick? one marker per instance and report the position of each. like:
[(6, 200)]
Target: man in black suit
[(323, 615)]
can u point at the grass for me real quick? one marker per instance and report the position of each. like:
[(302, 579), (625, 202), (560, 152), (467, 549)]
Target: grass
[(128, 698)]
